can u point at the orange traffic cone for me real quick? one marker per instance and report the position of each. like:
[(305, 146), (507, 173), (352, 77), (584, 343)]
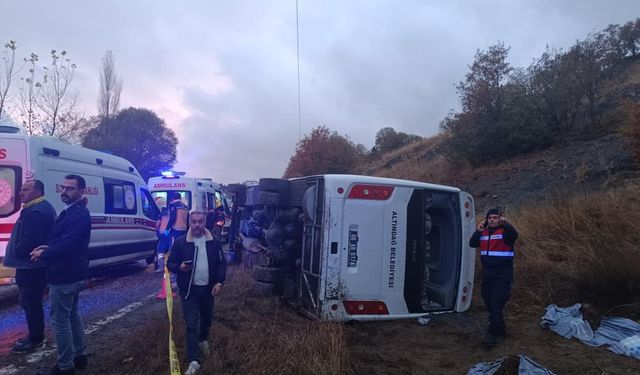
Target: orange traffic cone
[(162, 294)]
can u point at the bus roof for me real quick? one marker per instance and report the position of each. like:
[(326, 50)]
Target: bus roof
[(347, 178)]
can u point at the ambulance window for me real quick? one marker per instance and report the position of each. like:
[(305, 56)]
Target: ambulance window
[(10, 179), (120, 197), (218, 199), (210, 201), (160, 197), (149, 207)]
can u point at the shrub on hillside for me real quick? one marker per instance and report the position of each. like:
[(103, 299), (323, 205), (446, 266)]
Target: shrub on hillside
[(325, 151), (632, 126), (388, 139), (585, 249), (562, 95)]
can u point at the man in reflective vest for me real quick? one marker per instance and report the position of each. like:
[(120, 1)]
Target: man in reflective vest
[(178, 216), (495, 238), (164, 239)]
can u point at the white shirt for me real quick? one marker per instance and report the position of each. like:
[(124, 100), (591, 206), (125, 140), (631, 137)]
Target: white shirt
[(201, 272)]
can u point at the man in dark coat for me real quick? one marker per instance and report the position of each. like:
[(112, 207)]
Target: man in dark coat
[(30, 231), (66, 257), (198, 261)]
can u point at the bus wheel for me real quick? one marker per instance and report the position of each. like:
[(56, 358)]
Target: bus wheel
[(263, 289), (267, 274), (274, 184)]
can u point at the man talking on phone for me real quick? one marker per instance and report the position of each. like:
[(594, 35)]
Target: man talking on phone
[(496, 238), (200, 266)]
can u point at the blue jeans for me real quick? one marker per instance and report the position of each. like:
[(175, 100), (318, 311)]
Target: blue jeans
[(67, 322), (198, 314)]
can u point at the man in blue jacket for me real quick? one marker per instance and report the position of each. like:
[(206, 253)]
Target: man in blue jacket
[(198, 261), (30, 231), (67, 260)]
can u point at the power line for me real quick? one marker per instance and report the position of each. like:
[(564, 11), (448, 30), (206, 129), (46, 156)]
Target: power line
[(298, 62)]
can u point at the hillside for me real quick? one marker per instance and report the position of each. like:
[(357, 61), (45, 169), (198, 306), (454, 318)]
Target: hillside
[(589, 157), (577, 167)]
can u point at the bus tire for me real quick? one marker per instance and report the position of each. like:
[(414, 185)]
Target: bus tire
[(273, 184), (236, 188), (249, 194), (268, 274), (263, 289), (268, 198)]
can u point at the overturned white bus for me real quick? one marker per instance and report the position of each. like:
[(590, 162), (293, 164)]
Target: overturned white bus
[(345, 247)]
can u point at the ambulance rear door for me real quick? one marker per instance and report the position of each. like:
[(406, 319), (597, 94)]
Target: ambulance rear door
[(14, 165)]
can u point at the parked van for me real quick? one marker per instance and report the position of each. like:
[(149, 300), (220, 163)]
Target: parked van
[(123, 212), (344, 247), (199, 194)]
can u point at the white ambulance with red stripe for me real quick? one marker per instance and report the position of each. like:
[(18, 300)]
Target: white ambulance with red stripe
[(199, 194), (123, 212)]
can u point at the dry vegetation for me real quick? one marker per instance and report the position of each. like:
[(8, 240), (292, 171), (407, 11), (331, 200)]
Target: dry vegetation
[(251, 335), (584, 249), (419, 161)]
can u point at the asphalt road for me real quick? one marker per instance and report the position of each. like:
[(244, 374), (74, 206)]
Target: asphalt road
[(109, 294)]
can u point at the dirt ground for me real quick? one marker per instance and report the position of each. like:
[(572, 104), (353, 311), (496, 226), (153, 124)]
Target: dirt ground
[(257, 335)]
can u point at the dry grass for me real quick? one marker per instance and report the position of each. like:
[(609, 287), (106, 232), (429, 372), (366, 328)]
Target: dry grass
[(250, 335), (584, 249), (419, 161)]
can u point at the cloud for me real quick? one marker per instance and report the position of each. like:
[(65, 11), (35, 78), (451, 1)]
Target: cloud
[(224, 74)]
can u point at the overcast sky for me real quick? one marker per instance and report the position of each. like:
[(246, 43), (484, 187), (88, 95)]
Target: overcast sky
[(223, 74)]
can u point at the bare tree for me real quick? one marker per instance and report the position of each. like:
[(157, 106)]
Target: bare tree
[(28, 94), (6, 78), (57, 103), (110, 87)]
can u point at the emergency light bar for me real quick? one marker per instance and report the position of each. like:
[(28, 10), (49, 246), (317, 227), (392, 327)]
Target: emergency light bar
[(172, 174)]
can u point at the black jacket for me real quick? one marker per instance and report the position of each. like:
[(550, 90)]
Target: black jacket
[(32, 229), (510, 237), (184, 249), (67, 258)]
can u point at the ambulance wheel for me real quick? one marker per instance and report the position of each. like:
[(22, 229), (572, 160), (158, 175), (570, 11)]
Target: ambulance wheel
[(267, 274), (150, 259)]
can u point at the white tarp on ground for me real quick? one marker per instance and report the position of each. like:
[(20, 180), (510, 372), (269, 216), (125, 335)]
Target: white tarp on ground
[(527, 366), (620, 334)]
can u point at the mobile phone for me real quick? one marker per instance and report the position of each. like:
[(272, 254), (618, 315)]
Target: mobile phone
[(485, 224)]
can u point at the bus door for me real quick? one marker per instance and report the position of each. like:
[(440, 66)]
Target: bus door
[(312, 244)]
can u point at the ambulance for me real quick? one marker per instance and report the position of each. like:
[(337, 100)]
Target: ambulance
[(199, 194), (123, 212)]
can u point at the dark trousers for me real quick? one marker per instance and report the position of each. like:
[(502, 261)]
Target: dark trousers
[(31, 284), (496, 290), (198, 314)]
